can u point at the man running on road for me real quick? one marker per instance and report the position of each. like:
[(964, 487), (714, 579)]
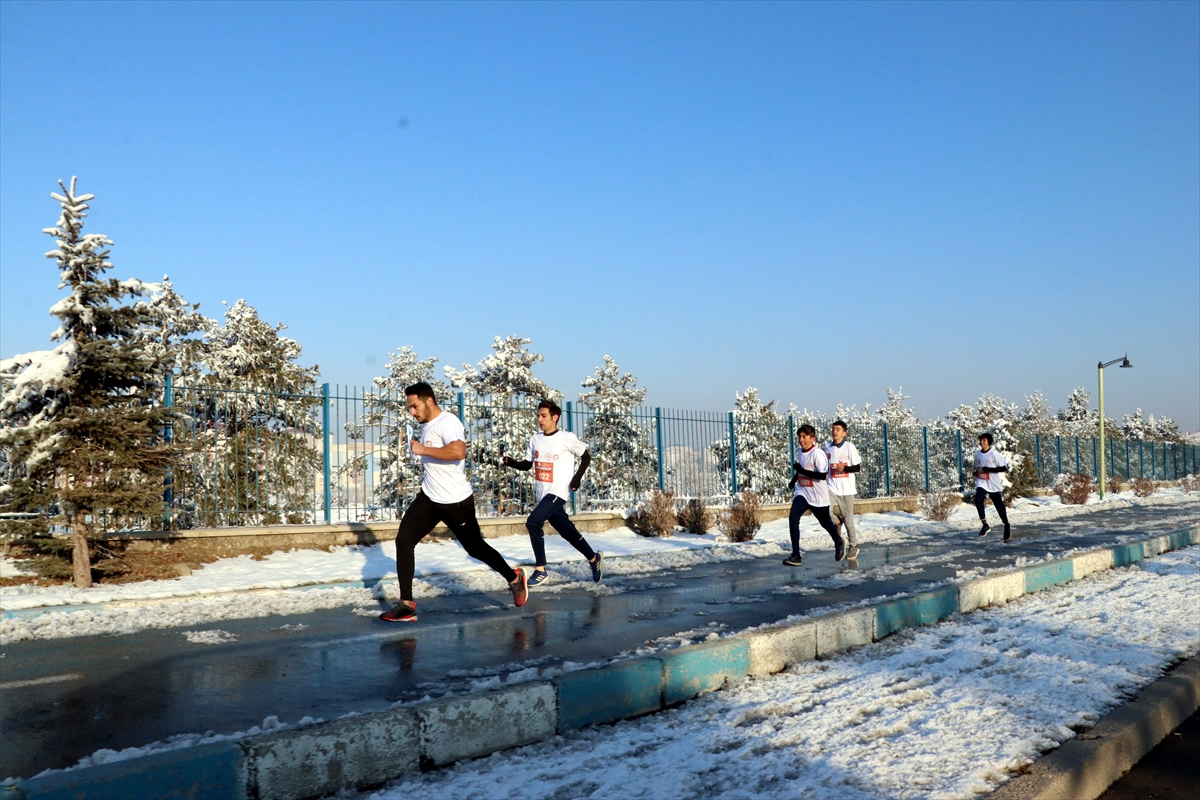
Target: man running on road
[(844, 461), (552, 457), (445, 496), (811, 494), (989, 463)]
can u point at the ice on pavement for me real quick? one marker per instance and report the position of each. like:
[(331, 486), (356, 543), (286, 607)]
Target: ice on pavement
[(949, 711), (242, 587)]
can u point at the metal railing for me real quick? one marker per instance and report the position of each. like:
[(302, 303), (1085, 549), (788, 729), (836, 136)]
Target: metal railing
[(340, 454)]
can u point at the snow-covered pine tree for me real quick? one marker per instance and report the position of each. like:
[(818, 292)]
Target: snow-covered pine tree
[(255, 421), (762, 447), (624, 458), (503, 421), (385, 413), (176, 334), (1078, 418), (82, 423)]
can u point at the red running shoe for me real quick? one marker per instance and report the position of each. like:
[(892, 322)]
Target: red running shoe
[(520, 589), (402, 612)]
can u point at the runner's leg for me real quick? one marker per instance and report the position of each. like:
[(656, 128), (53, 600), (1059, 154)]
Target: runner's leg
[(826, 521), (418, 520), (567, 530), (535, 523), (799, 506), (460, 519), (980, 499), (845, 509), (998, 502)]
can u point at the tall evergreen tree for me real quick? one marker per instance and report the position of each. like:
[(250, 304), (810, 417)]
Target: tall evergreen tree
[(761, 438), (624, 459), (82, 423)]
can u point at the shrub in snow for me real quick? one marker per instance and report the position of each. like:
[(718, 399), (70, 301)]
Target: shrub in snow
[(655, 516), (624, 455), (1143, 487), (695, 517), (1189, 483), (741, 520), (939, 505), (1073, 488), (82, 424), (1115, 483)]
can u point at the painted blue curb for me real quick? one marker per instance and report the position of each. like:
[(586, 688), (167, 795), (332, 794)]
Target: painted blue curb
[(606, 694), (692, 670), (1181, 539), (1043, 576), (205, 772), (1126, 554), (924, 608)]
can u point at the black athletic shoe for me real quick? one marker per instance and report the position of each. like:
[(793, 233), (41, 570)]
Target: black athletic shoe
[(400, 613), (984, 530), (839, 549), (1007, 533), (794, 560)]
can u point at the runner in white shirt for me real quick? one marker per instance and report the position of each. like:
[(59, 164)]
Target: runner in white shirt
[(989, 463), (552, 455), (445, 496), (811, 494), (844, 462)]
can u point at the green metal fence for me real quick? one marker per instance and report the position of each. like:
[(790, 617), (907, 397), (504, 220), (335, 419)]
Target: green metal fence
[(340, 454)]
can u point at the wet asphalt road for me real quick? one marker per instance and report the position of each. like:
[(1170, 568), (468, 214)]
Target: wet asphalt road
[(130, 690)]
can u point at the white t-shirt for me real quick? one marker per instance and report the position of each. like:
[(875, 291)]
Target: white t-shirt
[(842, 455), (445, 481), (553, 460), (991, 481), (814, 491)]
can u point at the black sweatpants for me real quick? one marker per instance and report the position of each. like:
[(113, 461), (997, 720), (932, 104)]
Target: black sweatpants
[(553, 509), (981, 496), (799, 506), (420, 518)]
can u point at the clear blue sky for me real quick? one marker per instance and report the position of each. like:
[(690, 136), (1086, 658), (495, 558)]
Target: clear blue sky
[(818, 200)]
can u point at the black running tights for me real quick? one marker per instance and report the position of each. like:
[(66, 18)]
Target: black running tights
[(981, 496), (420, 518), (799, 506)]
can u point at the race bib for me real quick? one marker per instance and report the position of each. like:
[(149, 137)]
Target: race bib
[(839, 470), (980, 475), (802, 481), (544, 471)]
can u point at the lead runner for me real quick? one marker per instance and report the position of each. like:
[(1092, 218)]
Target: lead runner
[(445, 496)]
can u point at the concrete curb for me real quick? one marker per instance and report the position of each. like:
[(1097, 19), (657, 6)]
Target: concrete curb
[(1084, 767), (364, 751)]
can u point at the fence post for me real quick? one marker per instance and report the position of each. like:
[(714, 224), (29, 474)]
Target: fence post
[(1141, 458), (571, 429), (662, 483), (328, 500), (887, 465), (1175, 461), (1037, 449), (958, 443), (733, 481), (1095, 461), (791, 442), (1153, 466), (1078, 466), (1127, 476), (1058, 447), (168, 436), (461, 409), (925, 442)]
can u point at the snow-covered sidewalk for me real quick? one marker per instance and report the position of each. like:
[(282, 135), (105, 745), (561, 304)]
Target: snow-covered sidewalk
[(242, 587), (949, 711)]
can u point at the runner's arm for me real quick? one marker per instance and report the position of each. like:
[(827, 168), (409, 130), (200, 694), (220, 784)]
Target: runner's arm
[(855, 468), (584, 461), (454, 451), (809, 473), (524, 466)]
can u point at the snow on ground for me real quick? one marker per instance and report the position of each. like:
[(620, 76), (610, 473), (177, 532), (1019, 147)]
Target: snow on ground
[(241, 587), (948, 711)]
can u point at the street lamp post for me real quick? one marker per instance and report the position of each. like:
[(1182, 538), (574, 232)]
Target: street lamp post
[(1100, 368)]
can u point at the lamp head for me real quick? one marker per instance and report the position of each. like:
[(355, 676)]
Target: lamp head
[(1125, 363)]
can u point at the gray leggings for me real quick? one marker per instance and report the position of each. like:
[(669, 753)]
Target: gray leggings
[(843, 506)]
